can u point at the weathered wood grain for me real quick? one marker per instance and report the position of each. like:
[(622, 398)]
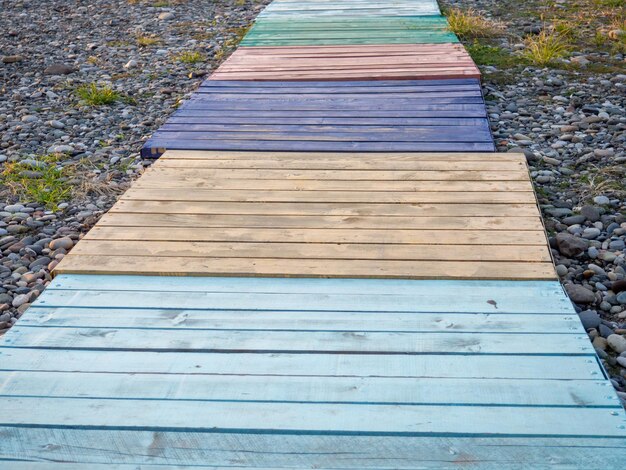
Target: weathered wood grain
[(371, 62), (281, 214)]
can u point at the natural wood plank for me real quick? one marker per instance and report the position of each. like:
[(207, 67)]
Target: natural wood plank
[(120, 219), (201, 250), (271, 235), (136, 205), (193, 175), (395, 192), (271, 212), (342, 164), (304, 268), (379, 160)]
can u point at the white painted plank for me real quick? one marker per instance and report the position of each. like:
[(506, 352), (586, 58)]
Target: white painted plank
[(325, 418), (297, 341), (108, 449), (396, 390), (204, 295), (305, 365), (302, 320)]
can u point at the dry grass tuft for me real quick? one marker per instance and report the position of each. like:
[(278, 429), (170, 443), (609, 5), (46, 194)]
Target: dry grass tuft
[(545, 48), (470, 24)]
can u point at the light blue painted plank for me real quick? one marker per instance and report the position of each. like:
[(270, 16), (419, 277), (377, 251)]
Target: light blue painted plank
[(303, 321), (275, 301), (572, 393), (297, 341), (322, 452), (428, 420), (306, 365), (311, 294)]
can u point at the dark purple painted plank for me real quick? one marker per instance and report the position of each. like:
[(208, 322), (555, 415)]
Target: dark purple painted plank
[(159, 145), (218, 118), (332, 133), (442, 115), (448, 111)]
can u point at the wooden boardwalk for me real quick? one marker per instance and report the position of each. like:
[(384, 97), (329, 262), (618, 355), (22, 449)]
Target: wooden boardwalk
[(305, 373), (370, 215), (324, 270)]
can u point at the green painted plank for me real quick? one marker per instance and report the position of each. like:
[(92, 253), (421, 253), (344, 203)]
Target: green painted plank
[(520, 367), (252, 42), (428, 420), (363, 390)]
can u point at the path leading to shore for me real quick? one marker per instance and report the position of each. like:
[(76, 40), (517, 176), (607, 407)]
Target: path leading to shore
[(327, 267)]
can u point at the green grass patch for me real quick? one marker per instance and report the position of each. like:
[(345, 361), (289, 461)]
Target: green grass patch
[(45, 182), (94, 95), (147, 41), (611, 3), (190, 57), (485, 54)]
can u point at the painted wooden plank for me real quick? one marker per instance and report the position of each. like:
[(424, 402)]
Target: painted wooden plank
[(365, 390), (443, 38), (519, 297), (109, 339), (300, 320), (399, 420), (452, 136), (156, 146), (331, 137), (357, 85), (464, 113), (294, 294), (479, 366), (212, 118), (127, 449), (427, 23)]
